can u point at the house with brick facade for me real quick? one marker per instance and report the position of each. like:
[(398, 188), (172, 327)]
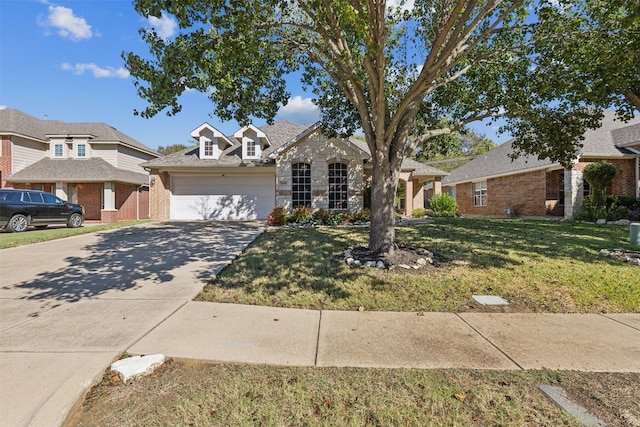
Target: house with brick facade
[(246, 175), (92, 164), (495, 185)]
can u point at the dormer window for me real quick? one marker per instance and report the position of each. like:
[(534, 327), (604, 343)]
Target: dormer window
[(81, 150), (251, 148), (58, 150), (208, 148), (212, 141), (254, 142)]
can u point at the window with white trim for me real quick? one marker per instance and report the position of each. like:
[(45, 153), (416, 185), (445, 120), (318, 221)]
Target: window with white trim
[(58, 150), (338, 186), (81, 150), (208, 147), (300, 185), (480, 193), (251, 148)]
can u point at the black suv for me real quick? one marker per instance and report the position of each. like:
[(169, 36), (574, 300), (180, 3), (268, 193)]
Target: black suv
[(21, 208)]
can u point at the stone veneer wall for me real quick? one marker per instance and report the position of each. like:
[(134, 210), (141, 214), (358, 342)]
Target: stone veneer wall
[(319, 152)]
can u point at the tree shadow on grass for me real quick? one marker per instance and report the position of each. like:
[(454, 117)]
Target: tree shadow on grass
[(490, 242), (134, 257)]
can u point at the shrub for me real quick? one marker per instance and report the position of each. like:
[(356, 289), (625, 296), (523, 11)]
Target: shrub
[(321, 216), (613, 209), (300, 215), (277, 217), (336, 217), (443, 204), (599, 175), (419, 212), (360, 216)]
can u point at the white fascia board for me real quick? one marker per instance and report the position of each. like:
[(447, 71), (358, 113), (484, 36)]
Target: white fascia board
[(260, 134), (196, 133), (548, 168)]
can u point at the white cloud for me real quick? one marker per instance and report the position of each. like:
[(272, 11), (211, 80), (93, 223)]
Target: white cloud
[(407, 6), (299, 110), (165, 26), (98, 72), (68, 25)]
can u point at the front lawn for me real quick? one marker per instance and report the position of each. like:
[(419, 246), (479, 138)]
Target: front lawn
[(539, 266), (10, 240)]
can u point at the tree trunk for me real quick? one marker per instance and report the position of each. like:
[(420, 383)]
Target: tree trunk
[(383, 192)]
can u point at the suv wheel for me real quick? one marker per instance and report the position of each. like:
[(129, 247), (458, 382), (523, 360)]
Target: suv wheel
[(75, 220), (18, 223)]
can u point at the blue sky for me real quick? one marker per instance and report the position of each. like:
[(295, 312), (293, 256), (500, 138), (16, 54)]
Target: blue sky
[(62, 60)]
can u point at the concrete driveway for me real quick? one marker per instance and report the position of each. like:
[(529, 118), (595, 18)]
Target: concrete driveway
[(69, 307)]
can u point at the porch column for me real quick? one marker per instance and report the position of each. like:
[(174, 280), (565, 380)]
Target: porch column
[(61, 191), (109, 212), (408, 196), (418, 195), (573, 192), (437, 185)]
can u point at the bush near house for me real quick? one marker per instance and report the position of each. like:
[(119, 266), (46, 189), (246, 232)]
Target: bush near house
[(277, 217), (443, 205), (613, 208), (305, 216), (420, 212)]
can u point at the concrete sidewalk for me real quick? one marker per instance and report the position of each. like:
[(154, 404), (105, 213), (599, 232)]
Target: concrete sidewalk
[(268, 335)]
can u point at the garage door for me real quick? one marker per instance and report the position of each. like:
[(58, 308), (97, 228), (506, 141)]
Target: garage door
[(222, 197)]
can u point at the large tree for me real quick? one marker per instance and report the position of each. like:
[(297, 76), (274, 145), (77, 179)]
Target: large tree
[(402, 73)]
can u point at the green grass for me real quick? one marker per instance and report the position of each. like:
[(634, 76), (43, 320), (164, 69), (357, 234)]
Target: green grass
[(10, 240), (539, 266), (183, 393)]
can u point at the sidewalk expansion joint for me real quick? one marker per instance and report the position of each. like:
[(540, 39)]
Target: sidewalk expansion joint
[(491, 343), (617, 321), (137, 340), (315, 362)]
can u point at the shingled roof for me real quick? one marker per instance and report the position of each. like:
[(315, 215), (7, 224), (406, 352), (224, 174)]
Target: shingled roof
[(15, 122), (611, 140), (76, 170), (281, 134)]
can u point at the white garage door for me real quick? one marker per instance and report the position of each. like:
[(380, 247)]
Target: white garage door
[(222, 197)]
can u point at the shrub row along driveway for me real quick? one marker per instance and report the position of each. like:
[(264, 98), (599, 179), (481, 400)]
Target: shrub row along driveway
[(69, 307)]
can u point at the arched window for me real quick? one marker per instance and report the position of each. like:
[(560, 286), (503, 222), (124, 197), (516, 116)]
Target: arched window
[(300, 185), (338, 186)]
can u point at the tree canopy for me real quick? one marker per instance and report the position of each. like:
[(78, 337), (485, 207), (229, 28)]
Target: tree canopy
[(168, 149), (403, 73)]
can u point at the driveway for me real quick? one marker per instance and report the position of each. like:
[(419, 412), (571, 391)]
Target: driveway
[(69, 307)]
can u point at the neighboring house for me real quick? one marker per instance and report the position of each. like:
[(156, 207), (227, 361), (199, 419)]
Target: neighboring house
[(91, 164), (246, 175), (493, 184)]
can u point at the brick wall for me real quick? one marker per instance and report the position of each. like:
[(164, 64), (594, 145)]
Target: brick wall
[(5, 160), (48, 187), (90, 196), (624, 183), (524, 192), (160, 195), (126, 202)]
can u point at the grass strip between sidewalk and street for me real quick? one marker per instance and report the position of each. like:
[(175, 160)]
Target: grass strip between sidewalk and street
[(184, 393)]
